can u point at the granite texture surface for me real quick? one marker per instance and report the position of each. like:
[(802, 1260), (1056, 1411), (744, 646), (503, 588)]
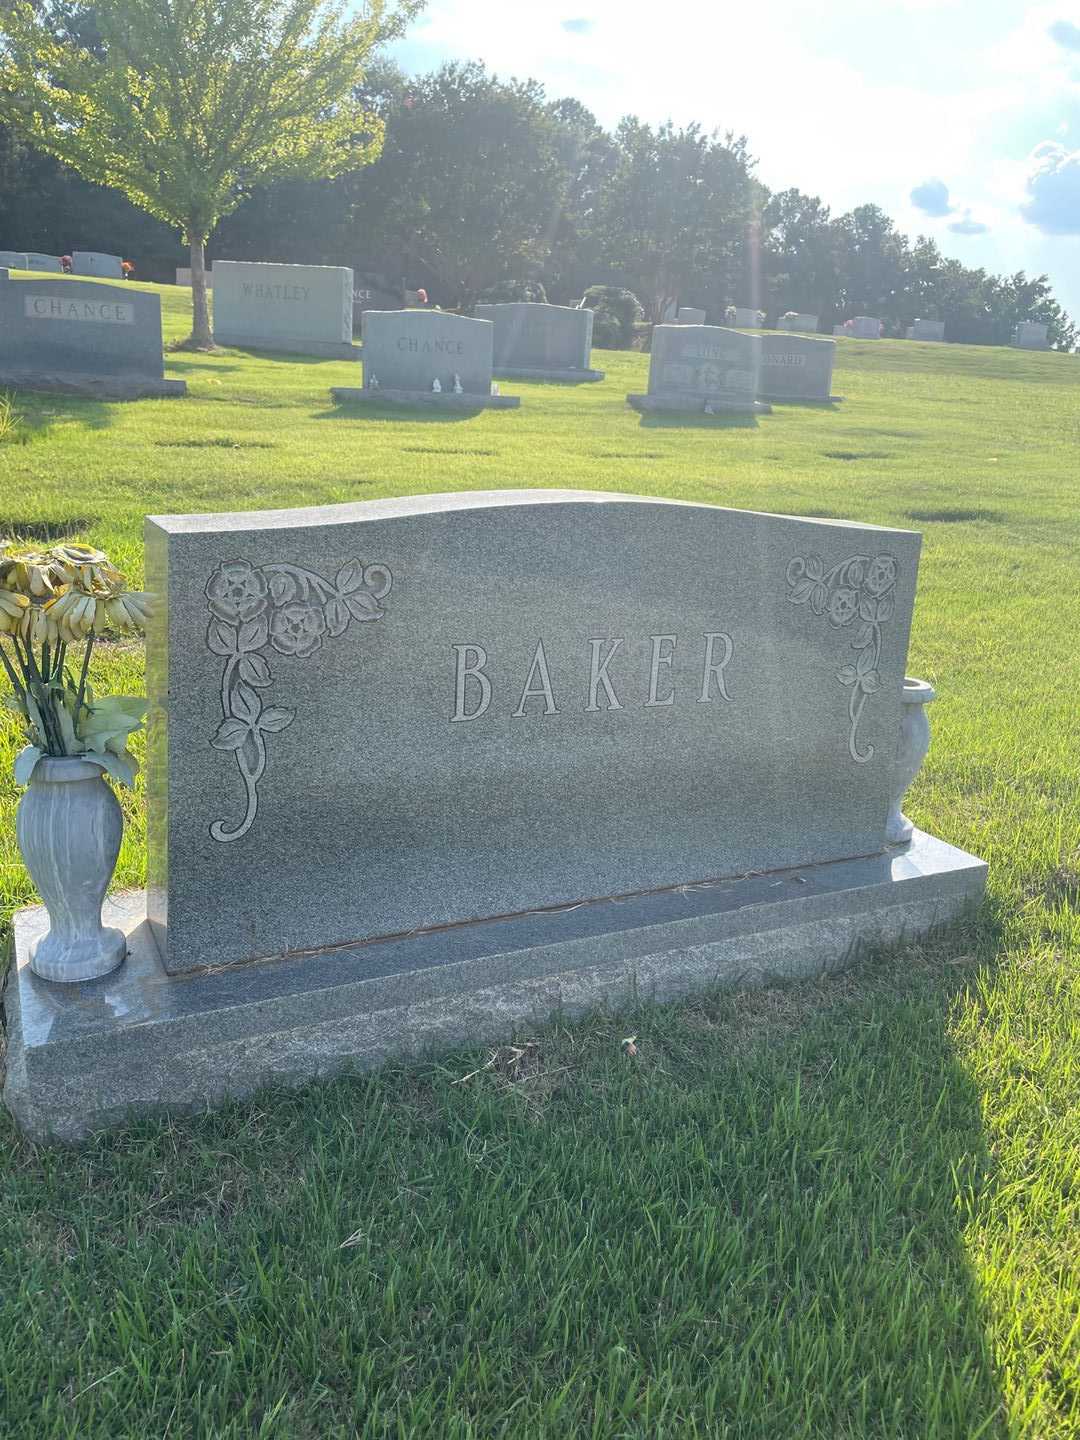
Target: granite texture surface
[(408, 350), (414, 712), (422, 399), (691, 366), (540, 338), (294, 309), (796, 367), (77, 328), (94, 387), (84, 1057), (95, 262)]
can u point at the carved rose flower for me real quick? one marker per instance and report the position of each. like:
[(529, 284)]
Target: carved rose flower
[(236, 591), (881, 574), (297, 629), (843, 606)]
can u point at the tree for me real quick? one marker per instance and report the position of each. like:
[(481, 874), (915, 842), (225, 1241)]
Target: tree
[(676, 210), (186, 106), (470, 184), (799, 253)]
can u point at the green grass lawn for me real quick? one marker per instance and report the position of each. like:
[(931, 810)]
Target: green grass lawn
[(835, 1210)]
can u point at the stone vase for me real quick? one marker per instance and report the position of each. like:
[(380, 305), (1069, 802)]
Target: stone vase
[(914, 743), (69, 828)]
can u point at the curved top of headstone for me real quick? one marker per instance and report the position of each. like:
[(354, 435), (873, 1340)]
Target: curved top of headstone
[(404, 506)]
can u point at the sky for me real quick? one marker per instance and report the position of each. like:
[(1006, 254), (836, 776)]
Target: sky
[(960, 118)]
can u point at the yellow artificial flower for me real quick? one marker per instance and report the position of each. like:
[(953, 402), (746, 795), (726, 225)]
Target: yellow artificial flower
[(130, 609), (89, 569), (11, 611), (38, 627), (73, 615)]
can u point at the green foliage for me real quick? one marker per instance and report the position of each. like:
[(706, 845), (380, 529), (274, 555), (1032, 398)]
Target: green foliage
[(615, 313), (675, 209), (508, 291)]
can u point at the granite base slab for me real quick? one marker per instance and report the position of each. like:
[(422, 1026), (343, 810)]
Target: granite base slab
[(423, 399), (316, 349), (94, 387), (82, 1058), (525, 372), (677, 406), (803, 399)]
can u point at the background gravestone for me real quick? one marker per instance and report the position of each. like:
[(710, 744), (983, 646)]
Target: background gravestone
[(1031, 335), (865, 327), (50, 264), (689, 315), (699, 367), (807, 323), (183, 275), (295, 309), (928, 330), (543, 342), (406, 351), (83, 337), (14, 260), (796, 367), (747, 319), (93, 262)]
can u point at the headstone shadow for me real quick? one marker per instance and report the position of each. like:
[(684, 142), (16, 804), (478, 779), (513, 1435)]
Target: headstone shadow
[(397, 414), (672, 420)]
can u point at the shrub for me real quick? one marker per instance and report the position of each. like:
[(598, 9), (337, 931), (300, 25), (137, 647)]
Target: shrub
[(506, 292), (615, 312)]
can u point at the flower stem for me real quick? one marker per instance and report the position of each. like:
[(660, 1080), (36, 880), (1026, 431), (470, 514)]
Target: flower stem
[(79, 699), (16, 683)]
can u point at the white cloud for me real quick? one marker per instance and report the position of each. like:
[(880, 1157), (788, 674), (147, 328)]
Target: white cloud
[(1065, 33), (1053, 190), (968, 225)]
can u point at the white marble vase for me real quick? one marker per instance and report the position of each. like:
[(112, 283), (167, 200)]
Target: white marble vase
[(914, 743), (69, 828)]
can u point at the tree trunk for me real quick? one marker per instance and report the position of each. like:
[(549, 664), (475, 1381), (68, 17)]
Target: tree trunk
[(201, 336)]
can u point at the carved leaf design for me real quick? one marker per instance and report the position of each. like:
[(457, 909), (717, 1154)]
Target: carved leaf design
[(282, 588), (864, 637), (253, 634), (255, 670), (337, 616), (230, 735), (362, 606), (276, 718), (245, 703), (801, 593), (848, 675), (221, 638), (350, 577)]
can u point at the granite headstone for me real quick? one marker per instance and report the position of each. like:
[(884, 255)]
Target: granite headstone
[(1031, 335), (747, 319), (183, 275), (701, 368), (796, 367), (865, 327), (689, 315), (928, 330), (49, 264), (541, 342), (82, 337), (427, 358), (806, 323), (14, 260), (93, 262), (293, 309), (422, 771)]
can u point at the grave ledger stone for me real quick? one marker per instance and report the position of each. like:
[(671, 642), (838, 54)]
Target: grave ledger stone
[(93, 262), (292, 309), (540, 342), (422, 771), (796, 367), (427, 358), (83, 338), (701, 368)]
